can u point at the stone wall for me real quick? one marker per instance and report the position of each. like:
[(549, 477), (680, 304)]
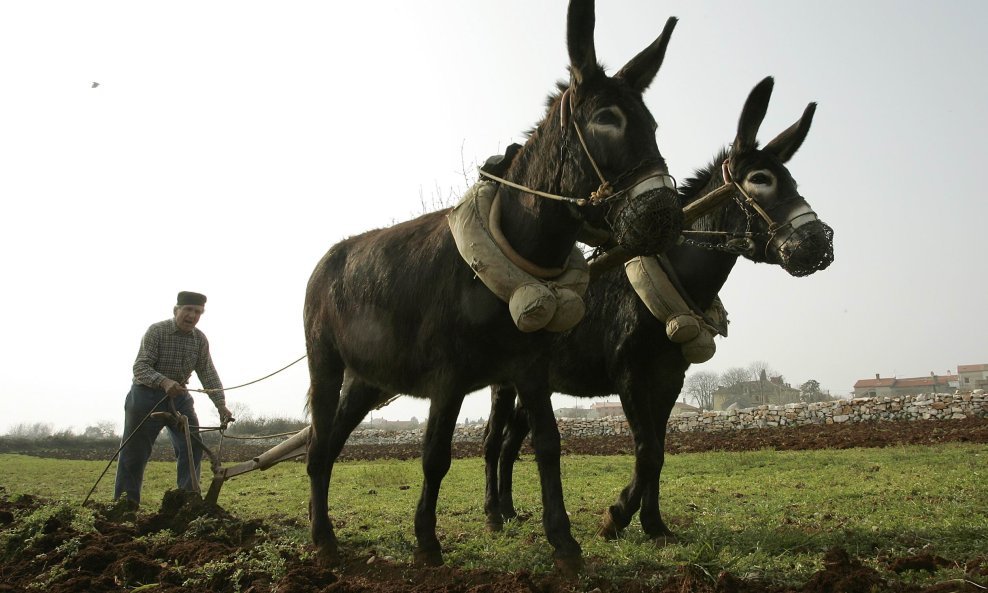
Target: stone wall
[(863, 409), (906, 407)]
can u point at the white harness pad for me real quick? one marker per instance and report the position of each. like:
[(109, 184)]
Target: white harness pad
[(555, 304), (684, 327)]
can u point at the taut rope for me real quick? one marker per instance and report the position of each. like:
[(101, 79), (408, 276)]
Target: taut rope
[(251, 382)]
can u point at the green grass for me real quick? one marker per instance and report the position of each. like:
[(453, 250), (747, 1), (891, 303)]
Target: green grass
[(763, 514)]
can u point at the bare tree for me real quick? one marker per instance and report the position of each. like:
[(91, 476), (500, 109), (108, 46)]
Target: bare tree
[(735, 375), (37, 430), (700, 387), (756, 368)]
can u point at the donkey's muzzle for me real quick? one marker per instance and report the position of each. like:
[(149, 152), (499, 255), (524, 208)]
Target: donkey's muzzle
[(805, 248), (649, 220)]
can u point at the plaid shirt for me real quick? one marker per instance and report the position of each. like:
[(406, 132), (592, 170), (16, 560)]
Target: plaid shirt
[(167, 352)]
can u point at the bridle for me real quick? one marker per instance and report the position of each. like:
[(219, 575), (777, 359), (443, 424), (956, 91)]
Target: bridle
[(605, 191), (743, 243)]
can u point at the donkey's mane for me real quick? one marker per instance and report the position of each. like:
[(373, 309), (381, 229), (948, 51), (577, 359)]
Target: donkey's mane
[(551, 98), (691, 189)]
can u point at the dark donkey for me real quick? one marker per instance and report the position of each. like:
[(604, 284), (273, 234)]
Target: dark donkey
[(622, 348), (398, 311)]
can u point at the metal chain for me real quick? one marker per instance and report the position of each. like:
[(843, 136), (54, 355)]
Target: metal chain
[(726, 246)]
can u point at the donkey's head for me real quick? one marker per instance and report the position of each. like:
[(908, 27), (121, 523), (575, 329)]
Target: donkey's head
[(776, 222), (597, 143)]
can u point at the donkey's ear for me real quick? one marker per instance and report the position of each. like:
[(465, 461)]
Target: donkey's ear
[(579, 40), (752, 115), (640, 71), (788, 142)]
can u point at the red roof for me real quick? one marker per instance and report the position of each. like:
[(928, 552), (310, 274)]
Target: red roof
[(925, 381), (971, 368), (862, 383), (906, 382)]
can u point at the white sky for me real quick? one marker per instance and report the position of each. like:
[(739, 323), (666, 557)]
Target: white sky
[(229, 144)]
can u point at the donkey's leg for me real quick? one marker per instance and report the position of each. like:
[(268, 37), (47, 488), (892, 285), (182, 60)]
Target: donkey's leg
[(545, 439), (514, 437), (619, 514), (357, 399), (325, 379), (502, 402), (437, 454), (651, 516)]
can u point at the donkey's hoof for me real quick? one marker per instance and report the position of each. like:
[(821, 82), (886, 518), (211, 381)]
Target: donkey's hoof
[(608, 529), (494, 525), (328, 555), (667, 539), (428, 557), (568, 566)]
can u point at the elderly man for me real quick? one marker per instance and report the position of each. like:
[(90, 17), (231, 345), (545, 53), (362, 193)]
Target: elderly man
[(170, 351)]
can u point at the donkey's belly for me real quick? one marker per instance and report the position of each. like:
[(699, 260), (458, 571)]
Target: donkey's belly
[(402, 350)]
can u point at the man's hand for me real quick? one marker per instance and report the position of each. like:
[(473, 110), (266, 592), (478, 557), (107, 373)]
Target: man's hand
[(173, 388), (226, 416)]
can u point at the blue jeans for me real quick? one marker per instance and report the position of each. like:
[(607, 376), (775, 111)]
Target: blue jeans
[(136, 453)]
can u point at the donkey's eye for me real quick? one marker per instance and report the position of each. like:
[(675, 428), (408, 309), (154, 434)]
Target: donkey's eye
[(760, 179), (607, 117)]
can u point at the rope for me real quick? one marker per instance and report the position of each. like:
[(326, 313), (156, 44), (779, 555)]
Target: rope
[(577, 201), (299, 359)]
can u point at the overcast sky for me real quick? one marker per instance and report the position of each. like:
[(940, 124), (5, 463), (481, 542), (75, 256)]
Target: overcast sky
[(229, 144)]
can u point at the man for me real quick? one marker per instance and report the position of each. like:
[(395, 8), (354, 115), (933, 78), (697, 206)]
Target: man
[(170, 351)]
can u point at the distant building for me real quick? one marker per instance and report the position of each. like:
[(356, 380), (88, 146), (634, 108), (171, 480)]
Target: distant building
[(972, 376), (748, 394), (572, 412), (603, 409), (885, 386)]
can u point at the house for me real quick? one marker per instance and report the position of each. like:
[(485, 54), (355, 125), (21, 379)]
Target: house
[(972, 376), (604, 409), (748, 394), (572, 412), (880, 386)]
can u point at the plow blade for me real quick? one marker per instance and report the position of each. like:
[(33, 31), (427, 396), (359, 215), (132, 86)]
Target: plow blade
[(289, 449)]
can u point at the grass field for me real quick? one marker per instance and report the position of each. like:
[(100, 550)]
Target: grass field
[(763, 514)]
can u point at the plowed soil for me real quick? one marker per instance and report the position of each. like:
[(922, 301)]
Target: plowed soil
[(112, 558)]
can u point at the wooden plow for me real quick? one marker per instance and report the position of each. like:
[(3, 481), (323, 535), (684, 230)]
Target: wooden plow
[(291, 448)]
